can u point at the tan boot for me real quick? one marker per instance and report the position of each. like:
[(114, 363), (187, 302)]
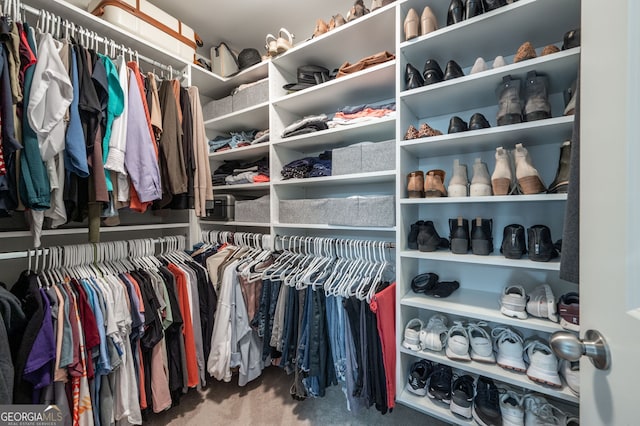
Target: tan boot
[(434, 184), (528, 178), (411, 24), (428, 21), (502, 174), (415, 184), (480, 183), (459, 183)]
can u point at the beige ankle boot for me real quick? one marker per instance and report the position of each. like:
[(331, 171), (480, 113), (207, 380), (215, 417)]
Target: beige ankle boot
[(415, 184), (428, 21), (528, 178), (502, 175), (458, 185), (434, 184), (480, 183)]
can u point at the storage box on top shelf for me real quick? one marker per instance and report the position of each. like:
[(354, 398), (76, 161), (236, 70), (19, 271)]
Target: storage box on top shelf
[(251, 94), (363, 158)]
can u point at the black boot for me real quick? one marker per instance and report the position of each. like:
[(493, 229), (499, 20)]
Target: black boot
[(560, 184), (509, 101), (541, 248), (412, 242), (412, 78), (474, 8), (459, 235), (482, 236), (513, 242), (536, 92), (456, 12), (428, 238)]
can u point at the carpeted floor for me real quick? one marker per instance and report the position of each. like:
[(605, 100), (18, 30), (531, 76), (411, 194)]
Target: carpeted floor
[(266, 401)]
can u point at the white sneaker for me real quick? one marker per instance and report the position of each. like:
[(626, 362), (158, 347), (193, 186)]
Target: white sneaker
[(509, 345), (571, 373), (513, 302), (542, 303), (458, 343), (532, 404), (539, 412), (412, 334), (543, 364), (433, 336), (480, 340), (511, 409)]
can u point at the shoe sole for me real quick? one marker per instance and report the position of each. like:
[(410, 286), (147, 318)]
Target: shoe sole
[(539, 376), (569, 326), (465, 412), (419, 392), (514, 314), (476, 417), (501, 186), (512, 368), (439, 398)]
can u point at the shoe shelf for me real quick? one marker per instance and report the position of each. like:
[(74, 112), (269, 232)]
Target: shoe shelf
[(349, 42), (375, 130), (253, 117), (493, 259), (262, 186), (369, 85), (242, 153), (494, 371), (478, 90), (499, 32), (476, 304), (533, 133), (356, 178), (426, 405), (215, 86), (487, 199), (335, 227)]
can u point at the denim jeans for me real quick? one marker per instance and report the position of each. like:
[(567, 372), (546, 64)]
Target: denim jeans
[(336, 324)]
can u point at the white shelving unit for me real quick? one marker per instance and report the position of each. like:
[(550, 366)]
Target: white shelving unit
[(482, 278)]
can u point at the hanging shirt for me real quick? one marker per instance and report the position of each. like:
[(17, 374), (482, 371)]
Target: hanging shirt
[(118, 141), (75, 153), (115, 107)]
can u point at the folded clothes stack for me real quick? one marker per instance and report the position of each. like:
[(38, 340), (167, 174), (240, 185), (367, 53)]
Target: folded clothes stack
[(236, 172), (238, 140), (308, 124), (308, 167), (350, 115)]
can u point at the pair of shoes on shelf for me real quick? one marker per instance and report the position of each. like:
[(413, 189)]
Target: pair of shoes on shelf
[(480, 241), (424, 132), (277, 45), (431, 184), (540, 246), (423, 25), (424, 237), (324, 27), (532, 409), (429, 283), (431, 73), (476, 122), (417, 337), (480, 183), (470, 342), (527, 177), (512, 109), (480, 65), (540, 303)]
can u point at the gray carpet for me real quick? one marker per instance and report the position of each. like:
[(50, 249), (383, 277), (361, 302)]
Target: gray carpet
[(266, 401)]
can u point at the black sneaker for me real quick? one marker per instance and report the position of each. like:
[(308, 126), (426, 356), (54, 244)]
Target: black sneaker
[(462, 396), (440, 383), (486, 407), (418, 375)]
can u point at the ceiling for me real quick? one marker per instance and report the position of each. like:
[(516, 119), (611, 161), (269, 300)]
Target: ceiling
[(245, 23)]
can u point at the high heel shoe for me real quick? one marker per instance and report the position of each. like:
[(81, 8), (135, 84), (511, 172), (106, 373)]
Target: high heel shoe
[(271, 42), (283, 44), (411, 24), (455, 13)]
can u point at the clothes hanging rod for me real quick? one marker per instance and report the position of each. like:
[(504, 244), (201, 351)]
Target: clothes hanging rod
[(100, 39), (24, 254), (333, 240)]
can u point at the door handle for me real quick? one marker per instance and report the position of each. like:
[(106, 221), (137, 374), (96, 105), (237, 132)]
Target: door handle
[(570, 347)]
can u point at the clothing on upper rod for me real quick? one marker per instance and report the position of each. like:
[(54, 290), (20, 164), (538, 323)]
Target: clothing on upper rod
[(72, 143)]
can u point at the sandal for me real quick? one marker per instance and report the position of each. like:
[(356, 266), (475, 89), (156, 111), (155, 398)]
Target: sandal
[(284, 44), (271, 43)]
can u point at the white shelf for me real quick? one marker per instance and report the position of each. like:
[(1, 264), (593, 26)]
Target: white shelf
[(427, 405), (216, 87), (492, 260), (234, 223), (372, 177), (374, 130), (488, 199), (475, 304), (253, 117), (499, 32), (478, 90), (534, 133), (246, 152), (85, 230), (494, 371), (243, 187), (347, 43), (373, 84), (334, 227)]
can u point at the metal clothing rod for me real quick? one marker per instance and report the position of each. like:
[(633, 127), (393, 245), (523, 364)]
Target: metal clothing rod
[(25, 254), (333, 240), (106, 41)]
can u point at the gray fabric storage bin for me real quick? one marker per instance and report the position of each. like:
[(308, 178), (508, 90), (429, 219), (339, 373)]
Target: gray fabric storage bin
[(291, 211), (257, 210), (252, 95), (215, 109), (312, 211), (363, 157), (378, 210), (378, 156)]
